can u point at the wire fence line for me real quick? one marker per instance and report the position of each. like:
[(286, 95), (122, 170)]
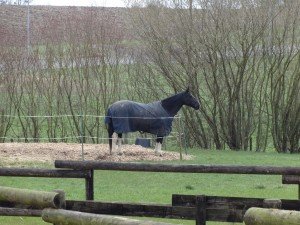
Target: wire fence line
[(82, 130), (99, 138), (94, 116), (68, 131)]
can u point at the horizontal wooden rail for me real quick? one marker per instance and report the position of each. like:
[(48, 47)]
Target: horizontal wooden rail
[(286, 179), (154, 210), (258, 216), (4, 211), (218, 202), (32, 198), (190, 168), (231, 202), (53, 173), (292, 179), (60, 216), (132, 209), (34, 172)]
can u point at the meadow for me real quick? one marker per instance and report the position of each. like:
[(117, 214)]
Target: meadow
[(247, 81), (158, 187)]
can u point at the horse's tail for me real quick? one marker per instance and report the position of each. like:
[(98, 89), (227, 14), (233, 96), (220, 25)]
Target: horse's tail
[(109, 126)]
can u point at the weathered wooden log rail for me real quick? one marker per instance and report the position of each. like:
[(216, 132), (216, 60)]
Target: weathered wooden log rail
[(11, 211), (66, 217), (25, 202), (35, 199), (259, 216), (190, 168), (35, 172)]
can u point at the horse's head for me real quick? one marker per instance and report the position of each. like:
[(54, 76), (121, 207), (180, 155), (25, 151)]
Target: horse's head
[(190, 100), (174, 103)]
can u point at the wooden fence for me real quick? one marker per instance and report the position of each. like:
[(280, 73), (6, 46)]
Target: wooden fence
[(51, 207), (50, 173), (189, 168), (189, 207), (200, 208), (85, 170)]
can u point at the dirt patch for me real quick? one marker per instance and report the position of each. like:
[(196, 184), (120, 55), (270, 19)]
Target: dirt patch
[(48, 152)]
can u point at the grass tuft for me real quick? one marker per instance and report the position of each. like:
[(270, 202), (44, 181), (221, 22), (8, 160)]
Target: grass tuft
[(189, 187), (260, 186)]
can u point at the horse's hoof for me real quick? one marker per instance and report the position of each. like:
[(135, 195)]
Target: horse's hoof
[(160, 154)]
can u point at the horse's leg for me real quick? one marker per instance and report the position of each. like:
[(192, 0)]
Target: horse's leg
[(159, 141), (114, 139), (119, 142), (110, 137)]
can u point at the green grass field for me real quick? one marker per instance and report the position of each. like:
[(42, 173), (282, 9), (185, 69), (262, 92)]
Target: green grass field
[(158, 187)]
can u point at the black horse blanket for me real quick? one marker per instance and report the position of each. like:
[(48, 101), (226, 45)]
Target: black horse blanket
[(128, 116)]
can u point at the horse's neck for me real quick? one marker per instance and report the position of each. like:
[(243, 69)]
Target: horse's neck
[(172, 104)]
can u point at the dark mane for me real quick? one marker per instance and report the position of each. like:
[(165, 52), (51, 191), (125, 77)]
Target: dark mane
[(173, 104)]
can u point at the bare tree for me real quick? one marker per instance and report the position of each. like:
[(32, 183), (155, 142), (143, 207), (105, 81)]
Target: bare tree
[(215, 49), (284, 86), (7, 90), (14, 2)]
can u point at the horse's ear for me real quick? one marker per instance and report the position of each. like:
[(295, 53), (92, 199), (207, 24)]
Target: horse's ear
[(188, 89)]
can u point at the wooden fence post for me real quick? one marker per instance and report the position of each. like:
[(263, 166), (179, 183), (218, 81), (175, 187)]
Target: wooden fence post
[(89, 186), (200, 210), (292, 179)]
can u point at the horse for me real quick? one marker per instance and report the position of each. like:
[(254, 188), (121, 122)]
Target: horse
[(155, 118)]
